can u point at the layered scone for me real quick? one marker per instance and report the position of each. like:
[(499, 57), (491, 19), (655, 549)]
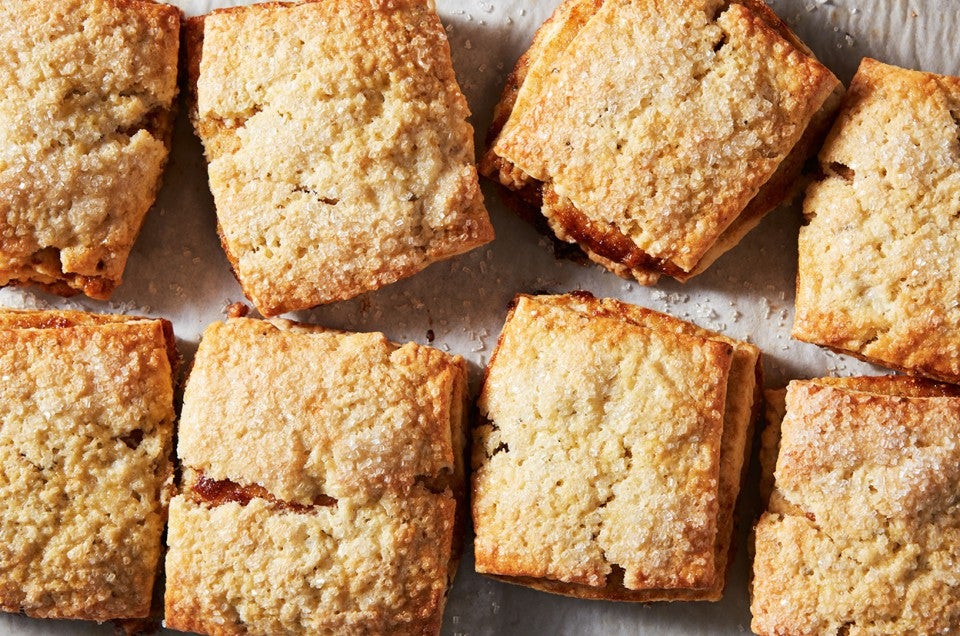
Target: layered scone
[(862, 535), (321, 477), (340, 157), (656, 134), (610, 451), (86, 92), (883, 226), (86, 427)]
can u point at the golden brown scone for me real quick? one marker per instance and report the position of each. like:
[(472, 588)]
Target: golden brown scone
[(340, 158), (86, 96), (610, 452), (330, 465), (660, 132), (86, 427), (862, 535), (883, 224)]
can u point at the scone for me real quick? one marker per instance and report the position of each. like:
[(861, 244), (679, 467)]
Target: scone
[(876, 276), (340, 158), (610, 451), (656, 134), (86, 427), (321, 477), (862, 535), (86, 95)]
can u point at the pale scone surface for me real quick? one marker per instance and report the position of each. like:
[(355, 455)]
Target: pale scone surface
[(86, 88), (663, 120), (599, 447), (347, 447), (863, 531), (739, 414), (740, 406), (86, 422), (340, 155), (876, 271)]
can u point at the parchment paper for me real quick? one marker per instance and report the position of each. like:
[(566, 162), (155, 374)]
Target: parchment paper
[(177, 270)]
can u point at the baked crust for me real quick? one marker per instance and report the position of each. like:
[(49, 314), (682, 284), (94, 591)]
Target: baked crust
[(86, 427), (863, 527), (658, 185), (85, 146), (331, 465), (560, 481), (350, 164), (881, 224)]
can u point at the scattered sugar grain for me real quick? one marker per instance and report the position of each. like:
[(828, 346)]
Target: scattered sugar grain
[(767, 309)]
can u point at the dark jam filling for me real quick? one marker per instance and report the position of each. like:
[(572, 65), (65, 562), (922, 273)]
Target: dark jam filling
[(220, 491)]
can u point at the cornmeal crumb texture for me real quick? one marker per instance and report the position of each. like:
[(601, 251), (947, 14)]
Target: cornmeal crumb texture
[(862, 535), (876, 277), (346, 450), (86, 422), (607, 450), (86, 89), (340, 155), (652, 125)]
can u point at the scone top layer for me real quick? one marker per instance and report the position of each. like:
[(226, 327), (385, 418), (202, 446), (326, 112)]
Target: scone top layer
[(86, 88), (863, 531), (340, 155), (599, 449), (86, 423), (328, 463), (877, 276), (662, 120), (312, 414)]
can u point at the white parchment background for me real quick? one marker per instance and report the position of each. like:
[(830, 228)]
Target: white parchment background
[(178, 271)]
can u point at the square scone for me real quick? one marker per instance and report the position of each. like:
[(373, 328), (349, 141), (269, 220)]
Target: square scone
[(883, 224), (610, 451), (340, 156), (656, 134), (86, 428), (87, 89), (862, 531), (330, 466)]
